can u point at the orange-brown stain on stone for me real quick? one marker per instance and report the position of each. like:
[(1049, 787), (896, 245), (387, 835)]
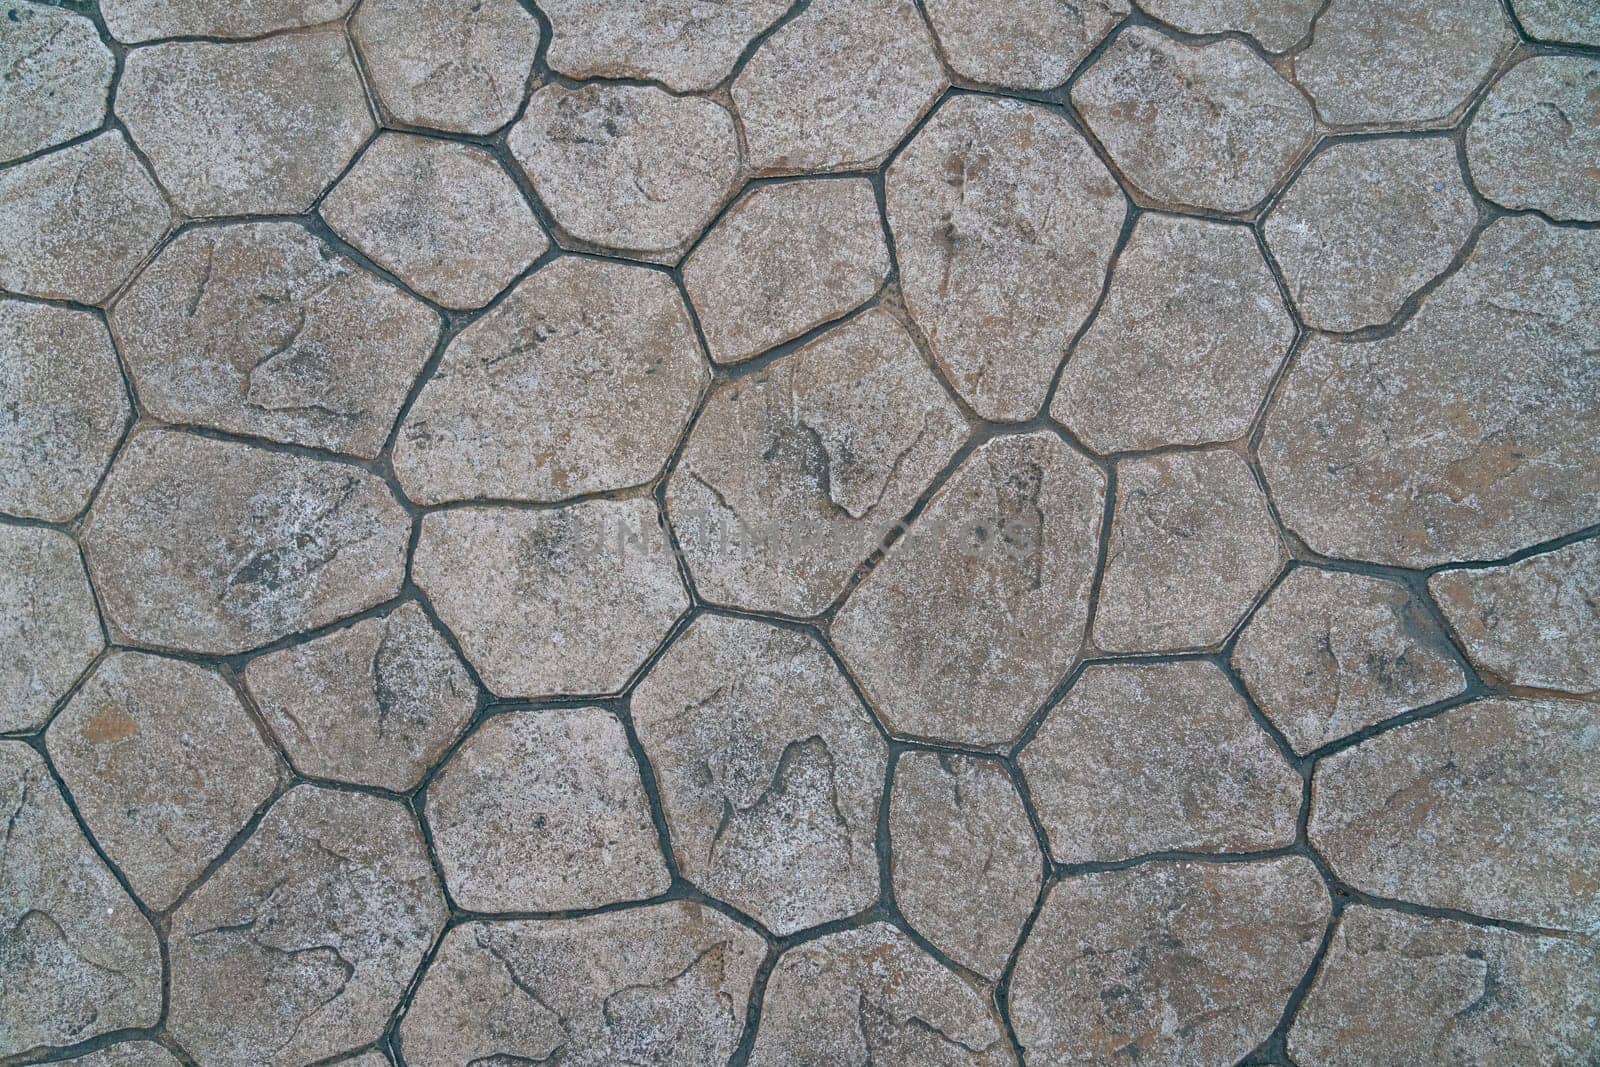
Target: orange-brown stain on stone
[(109, 724)]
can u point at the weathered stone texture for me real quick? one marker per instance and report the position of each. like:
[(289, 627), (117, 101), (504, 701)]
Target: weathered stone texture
[(1020, 44), (136, 21), (1535, 142), (49, 630), (133, 1054), (1277, 25), (57, 75), (687, 46), (1573, 21)]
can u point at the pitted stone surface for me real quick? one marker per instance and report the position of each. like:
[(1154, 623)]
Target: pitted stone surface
[(136, 21), (970, 619), (57, 74), (1003, 222), (1182, 350), (49, 631), (1277, 25), (1020, 44), (795, 474), (769, 769), (1574, 21), (1535, 142), (686, 45), (132, 1054)]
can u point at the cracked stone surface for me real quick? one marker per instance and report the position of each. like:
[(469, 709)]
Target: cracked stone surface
[(1573, 21), (49, 631), (1276, 25), (685, 45), (1534, 142), (1020, 44), (57, 73), (136, 21)]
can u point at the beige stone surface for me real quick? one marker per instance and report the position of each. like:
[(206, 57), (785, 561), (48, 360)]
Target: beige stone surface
[(1277, 25), (57, 75), (129, 1054), (1535, 141), (1020, 44), (1573, 21), (49, 630), (136, 21), (687, 45)]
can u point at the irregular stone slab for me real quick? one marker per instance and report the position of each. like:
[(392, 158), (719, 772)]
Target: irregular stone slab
[(129, 1054), (1003, 222), (1192, 546), (1277, 25), (552, 602), (1490, 808), (258, 127), (1166, 963), (687, 46), (606, 355), (1329, 653), (79, 957), (166, 767), (666, 984), (1534, 142), (1020, 44), (979, 610), (444, 217), (301, 945), (1471, 432), (785, 258), (214, 547), (1182, 350), (74, 224), (838, 87), (134, 21), (376, 704), (1206, 126), (545, 811), (869, 995), (1572, 21), (49, 630), (769, 769), (627, 168), (263, 329), (966, 865), (57, 77), (794, 475), (67, 406), (458, 65)]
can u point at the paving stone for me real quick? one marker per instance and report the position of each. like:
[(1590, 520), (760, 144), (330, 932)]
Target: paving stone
[(1276, 25), (56, 80), (166, 767), (604, 352), (1020, 44), (769, 769), (686, 45), (214, 547), (78, 958), (1535, 141), (444, 217), (838, 87), (1207, 126), (258, 127), (545, 811), (1192, 546), (1469, 433), (1450, 993), (262, 328), (1330, 653), (1003, 222), (1166, 963), (1491, 808), (1366, 224), (1572, 21), (1182, 350), (375, 704), (628, 168), (869, 995), (795, 474), (592, 588), (74, 224), (786, 258), (128, 1054), (300, 946), (136, 21), (979, 610), (49, 631), (966, 865), (66, 407), (665, 984)]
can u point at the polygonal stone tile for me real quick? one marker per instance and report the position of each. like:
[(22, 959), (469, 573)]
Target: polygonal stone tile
[(603, 352), (869, 995), (1572, 21), (214, 547), (49, 630), (545, 811), (970, 619), (256, 127), (795, 474), (133, 21), (1535, 140), (79, 959), (1182, 350), (553, 601), (785, 258), (1167, 963), (966, 865), (1192, 546), (838, 87), (1020, 44), (300, 946), (376, 704), (1491, 808), (769, 769), (1276, 25), (688, 47), (57, 76), (1329, 653), (664, 984), (1206, 126), (444, 217), (627, 168), (1471, 432), (128, 1054), (262, 328), (1003, 222), (66, 406)]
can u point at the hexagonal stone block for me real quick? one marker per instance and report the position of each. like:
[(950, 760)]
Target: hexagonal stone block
[(1534, 142), (1571, 21), (133, 21), (1003, 222), (57, 76), (1276, 25), (131, 1054), (49, 629), (1020, 44), (770, 771), (688, 47)]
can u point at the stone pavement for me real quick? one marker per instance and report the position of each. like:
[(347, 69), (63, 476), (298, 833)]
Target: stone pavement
[(833, 532)]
